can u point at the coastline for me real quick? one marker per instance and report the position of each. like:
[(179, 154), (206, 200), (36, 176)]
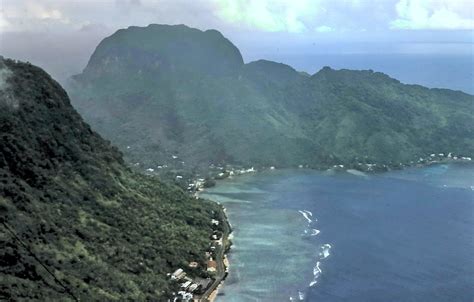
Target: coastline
[(222, 260), (211, 296), (225, 260), (231, 290)]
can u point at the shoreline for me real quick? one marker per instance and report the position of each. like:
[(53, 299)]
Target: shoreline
[(233, 290), (222, 260), (225, 260), (212, 296), (350, 169)]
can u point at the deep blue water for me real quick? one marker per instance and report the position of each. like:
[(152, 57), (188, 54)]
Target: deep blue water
[(399, 236)]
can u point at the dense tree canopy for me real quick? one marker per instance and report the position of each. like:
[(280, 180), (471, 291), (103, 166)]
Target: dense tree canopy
[(76, 223)]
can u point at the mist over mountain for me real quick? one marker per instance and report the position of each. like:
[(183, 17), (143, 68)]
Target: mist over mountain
[(76, 223), (165, 92)]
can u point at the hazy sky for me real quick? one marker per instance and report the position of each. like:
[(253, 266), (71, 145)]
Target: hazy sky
[(60, 35)]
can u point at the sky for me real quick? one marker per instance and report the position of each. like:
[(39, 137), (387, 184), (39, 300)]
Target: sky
[(60, 35)]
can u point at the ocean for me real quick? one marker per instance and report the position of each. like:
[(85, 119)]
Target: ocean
[(303, 235)]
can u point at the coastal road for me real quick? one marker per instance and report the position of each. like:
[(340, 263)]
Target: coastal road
[(220, 270)]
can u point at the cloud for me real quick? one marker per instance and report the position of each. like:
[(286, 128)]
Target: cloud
[(35, 11), (4, 24), (268, 15), (30, 15), (6, 98), (128, 2), (434, 14), (5, 73), (324, 29)]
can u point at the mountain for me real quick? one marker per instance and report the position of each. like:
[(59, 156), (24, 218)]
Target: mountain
[(76, 223), (180, 96)]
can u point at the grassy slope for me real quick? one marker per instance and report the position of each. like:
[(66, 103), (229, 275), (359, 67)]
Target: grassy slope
[(69, 205)]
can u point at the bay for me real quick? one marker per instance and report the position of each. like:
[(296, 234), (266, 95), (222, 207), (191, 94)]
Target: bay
[(317, 236)]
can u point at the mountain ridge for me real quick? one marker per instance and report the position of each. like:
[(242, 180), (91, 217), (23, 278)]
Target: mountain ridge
[(265, 113)]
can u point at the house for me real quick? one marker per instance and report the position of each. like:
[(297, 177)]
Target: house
[(211, 266), (178, 274), (192, 287), (186, 284), (185, 296), (181, 276)]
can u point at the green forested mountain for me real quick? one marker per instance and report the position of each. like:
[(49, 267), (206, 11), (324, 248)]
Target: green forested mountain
[(76, 223), (161, 90)]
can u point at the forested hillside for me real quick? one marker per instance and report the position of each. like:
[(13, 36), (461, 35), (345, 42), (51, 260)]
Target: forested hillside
[(174, 94), (76, 223)]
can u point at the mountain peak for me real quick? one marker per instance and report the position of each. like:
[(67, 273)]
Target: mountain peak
[(175, 48), (277, 73), (353, 76)]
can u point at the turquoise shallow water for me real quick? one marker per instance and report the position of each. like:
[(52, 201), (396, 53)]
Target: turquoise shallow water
[(313, 236)]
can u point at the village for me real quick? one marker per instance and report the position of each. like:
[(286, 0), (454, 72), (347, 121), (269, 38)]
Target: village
[(216, 268), (193, 183)]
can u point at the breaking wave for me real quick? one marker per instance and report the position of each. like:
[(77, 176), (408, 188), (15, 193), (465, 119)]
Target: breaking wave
[(306, 214), (316, 273), (301, 296), (312, 232), (323, 253), (325, 248)]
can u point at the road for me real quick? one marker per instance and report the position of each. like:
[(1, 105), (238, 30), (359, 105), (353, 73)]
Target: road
[(220, 270)]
